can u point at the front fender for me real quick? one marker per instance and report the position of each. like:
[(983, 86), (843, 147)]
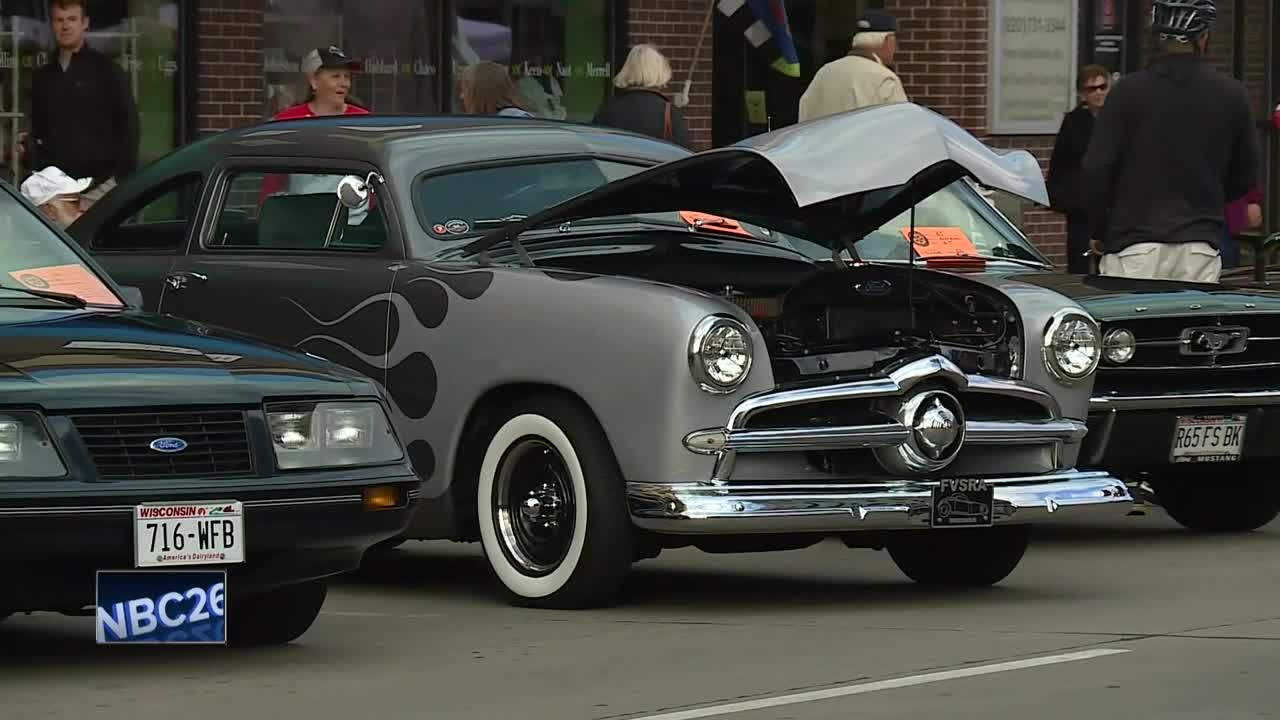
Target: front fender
[(621, 345), (1037, 305)]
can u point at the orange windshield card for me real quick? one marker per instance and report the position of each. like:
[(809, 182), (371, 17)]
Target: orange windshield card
[(718, 223), (933, 241), (70, 279)]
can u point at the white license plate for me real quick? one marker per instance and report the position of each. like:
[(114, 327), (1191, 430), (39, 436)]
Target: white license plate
[(1208, 438), (180, 534)]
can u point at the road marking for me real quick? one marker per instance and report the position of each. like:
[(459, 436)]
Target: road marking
[(878, 685)]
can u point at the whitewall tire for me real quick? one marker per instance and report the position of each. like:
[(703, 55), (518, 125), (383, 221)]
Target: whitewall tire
[(551, 506)]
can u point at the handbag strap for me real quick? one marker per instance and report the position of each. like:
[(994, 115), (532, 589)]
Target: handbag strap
[(666, 122)]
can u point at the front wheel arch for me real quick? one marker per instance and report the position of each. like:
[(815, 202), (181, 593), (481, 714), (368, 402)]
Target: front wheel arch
[(476, 429)]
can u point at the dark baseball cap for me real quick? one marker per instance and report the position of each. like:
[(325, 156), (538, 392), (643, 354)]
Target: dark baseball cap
[(327, 58), (876, 21)]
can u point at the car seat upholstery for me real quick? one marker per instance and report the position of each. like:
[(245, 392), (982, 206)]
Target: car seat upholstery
[(298, 221)]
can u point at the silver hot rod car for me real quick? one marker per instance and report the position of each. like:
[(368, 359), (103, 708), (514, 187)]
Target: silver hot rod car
[(590, 363)]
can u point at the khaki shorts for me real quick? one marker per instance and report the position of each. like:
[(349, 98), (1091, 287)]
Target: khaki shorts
[(1188, 262)]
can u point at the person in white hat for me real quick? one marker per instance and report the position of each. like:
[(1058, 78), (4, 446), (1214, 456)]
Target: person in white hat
[(56, 194)]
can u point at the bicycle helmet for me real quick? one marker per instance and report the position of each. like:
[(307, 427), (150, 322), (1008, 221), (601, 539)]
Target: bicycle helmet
[(1182, 20)]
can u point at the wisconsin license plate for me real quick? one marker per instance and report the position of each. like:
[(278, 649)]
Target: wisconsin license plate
[(962, 502), (1208, 438), (180, 534)]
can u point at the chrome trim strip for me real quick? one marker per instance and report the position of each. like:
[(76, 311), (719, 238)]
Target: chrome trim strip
[(818, 438), (987, 432), (1167, 401), (700, 508), (857, 437), (898, 382), (1015, 389), (128, 509), (1180, 368)]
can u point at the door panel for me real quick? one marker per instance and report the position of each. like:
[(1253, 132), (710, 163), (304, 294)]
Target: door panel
[(282, 260), (140, 245)]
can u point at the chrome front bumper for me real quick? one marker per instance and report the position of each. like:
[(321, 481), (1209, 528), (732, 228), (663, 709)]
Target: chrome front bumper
[(731, 509)]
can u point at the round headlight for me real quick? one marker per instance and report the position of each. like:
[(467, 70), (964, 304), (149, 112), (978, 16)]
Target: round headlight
[(719, 353), (1119, 345), (1072, 346)]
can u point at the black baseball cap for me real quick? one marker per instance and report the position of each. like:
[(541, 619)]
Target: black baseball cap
[(876, 21), (327, 58)]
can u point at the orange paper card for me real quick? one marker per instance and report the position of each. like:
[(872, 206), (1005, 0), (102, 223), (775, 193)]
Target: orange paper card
[(934, 241), (70, 279), (716, 223)]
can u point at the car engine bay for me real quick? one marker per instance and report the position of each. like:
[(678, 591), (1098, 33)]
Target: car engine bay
[(851, 320)]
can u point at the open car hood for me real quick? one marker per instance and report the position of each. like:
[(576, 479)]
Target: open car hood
[(827, 179)]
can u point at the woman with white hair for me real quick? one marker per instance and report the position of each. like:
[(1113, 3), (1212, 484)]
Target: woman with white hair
[(641, 105)]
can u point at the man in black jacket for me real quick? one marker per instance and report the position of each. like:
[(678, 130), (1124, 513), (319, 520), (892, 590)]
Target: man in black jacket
[(83, 116), (1172, 146), (1065, 192)]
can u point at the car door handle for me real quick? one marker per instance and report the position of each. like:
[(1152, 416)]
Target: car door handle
[(180, 280)]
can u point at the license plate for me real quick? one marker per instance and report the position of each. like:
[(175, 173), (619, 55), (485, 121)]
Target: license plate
[(1208, 438), (180, 534), (962, 502)]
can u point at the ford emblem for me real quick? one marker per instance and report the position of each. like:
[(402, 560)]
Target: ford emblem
[(168, 445)]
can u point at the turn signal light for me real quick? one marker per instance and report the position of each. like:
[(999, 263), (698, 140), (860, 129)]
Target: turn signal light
[(382, 497)]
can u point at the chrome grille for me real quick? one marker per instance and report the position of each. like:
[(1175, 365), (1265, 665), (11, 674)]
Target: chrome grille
[(1237, 342), (119, 444)]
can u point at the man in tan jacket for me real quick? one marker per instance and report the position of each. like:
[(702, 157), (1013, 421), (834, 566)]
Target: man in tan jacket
[(861, 78)]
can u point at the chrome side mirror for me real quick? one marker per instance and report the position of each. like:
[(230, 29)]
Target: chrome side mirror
[(353, 192)]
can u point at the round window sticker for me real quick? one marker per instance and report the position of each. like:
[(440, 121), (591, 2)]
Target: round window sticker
[(919, 240), (34, 281), (457, 227), (439, 229)]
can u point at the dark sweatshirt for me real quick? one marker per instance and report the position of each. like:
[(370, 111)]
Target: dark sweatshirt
[(644, 111), (1173, 145), (84, 119)]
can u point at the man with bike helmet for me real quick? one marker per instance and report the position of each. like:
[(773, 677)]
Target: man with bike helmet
[(1173, 145)]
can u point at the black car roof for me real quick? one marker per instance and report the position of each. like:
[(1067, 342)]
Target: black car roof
[(357, 137)]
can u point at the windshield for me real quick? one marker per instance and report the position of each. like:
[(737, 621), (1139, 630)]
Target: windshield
[(957, 220), (35, 257), (467, 203)]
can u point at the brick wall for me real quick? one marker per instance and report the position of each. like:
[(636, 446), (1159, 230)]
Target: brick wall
[(942, 59), (673, 27), (229, 77)]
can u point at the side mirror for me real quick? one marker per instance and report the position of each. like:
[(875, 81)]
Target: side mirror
[(353, 192), (132, 295)]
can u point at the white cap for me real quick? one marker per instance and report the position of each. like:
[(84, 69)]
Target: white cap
[(50, 183)]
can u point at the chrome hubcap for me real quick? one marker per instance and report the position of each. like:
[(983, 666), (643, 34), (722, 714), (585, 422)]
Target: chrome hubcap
[(534, 506)]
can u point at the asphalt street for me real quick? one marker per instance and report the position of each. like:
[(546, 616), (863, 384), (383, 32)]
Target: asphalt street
[(1127, 619)]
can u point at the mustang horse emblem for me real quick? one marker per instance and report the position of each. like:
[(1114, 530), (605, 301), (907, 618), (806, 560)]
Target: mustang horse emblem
[(1211, 341)]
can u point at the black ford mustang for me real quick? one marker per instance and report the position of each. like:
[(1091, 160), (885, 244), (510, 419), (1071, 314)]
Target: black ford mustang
[(131, 441)]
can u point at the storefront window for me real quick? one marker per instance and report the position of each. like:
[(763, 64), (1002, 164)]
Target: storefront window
[(141, 35), (558, 51), (396, 40)]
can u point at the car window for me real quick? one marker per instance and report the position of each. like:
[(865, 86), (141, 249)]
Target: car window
[(155, 221), (265, 210), (466, 203), (33, 255), (955, 220)]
